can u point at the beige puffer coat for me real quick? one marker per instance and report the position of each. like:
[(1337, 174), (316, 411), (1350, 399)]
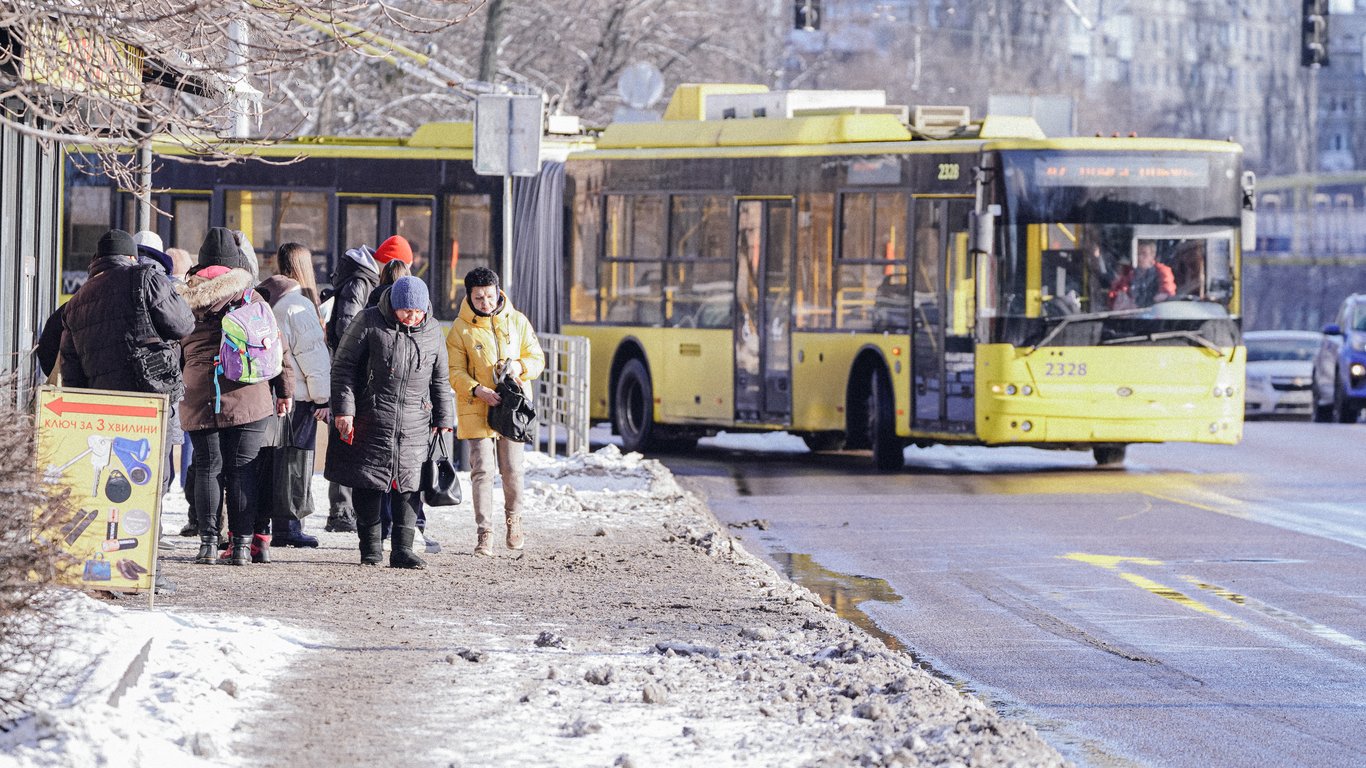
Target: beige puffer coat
[(474, 347)]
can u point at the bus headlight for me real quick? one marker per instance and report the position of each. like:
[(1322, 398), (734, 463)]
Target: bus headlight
[(1027, 390), (1218, 391), (1025, 426), (1010, 389)]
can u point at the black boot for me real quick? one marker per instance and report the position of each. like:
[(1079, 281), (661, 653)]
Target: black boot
[(401, 549), (371, 545), (208, 549), (240, 550)]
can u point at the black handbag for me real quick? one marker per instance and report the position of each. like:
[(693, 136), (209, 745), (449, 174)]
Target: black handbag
[(440, 484), (514, 417)]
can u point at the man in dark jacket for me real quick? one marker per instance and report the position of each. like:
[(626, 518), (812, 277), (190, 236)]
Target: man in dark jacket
[(99, 322), (104, 334), (357, 275)]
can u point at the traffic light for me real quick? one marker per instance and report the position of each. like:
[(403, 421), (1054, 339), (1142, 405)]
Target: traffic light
[(1314, 34), (808, 14)]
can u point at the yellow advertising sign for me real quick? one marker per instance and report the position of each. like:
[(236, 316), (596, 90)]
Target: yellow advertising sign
[(108, 448), (82, 61)]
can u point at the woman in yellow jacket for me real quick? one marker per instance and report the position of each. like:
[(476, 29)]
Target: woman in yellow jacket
[(488, 339)]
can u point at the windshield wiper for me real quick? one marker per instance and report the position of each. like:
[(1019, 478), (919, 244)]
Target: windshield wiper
[(1187, 335), (1066, 320)]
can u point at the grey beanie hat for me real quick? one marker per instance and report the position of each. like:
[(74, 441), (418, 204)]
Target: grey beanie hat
[(220, 249)]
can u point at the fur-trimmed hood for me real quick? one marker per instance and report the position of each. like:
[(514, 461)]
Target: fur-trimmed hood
[(212, 293)]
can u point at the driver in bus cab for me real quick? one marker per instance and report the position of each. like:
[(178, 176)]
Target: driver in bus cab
[(1147, 282)]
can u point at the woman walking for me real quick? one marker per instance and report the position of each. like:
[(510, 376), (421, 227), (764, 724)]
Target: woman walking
[(389, 393), (491, 339), (227, 420)]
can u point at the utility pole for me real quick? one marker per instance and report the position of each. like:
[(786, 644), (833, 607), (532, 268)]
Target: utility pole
[(493, 31)]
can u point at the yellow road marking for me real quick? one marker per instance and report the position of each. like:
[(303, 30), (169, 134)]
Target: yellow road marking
[(1312, 627), (1109, 562), (1176, 596), (1112, 563)]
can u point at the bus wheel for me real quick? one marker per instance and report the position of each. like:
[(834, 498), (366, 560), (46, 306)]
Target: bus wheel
[(633, 414), (823, 441), (888, 451), (1109, 455)]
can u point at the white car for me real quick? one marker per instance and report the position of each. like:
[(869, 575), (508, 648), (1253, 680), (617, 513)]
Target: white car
[(1280, 372)]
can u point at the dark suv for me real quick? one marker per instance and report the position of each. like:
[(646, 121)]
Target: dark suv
[(1340, 366)]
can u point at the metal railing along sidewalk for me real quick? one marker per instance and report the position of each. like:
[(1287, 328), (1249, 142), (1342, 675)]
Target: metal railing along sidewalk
[(562, 394)]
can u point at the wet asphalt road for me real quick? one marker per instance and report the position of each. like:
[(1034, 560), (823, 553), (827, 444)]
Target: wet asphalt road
[(1204, 606)]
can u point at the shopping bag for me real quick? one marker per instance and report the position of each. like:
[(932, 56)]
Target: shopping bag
[(514, 417), (440, 484), (292, 474)]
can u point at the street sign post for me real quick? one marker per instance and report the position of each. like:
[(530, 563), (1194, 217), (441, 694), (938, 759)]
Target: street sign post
[(507, 143)]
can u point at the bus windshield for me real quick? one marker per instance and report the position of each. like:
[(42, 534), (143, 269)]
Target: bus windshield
[(1124, 246)]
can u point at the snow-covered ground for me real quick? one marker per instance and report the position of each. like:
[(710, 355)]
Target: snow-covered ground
[(202, 674), (171, 705)]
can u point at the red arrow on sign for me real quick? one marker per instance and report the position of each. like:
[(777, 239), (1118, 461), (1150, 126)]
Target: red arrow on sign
[(60, 407)]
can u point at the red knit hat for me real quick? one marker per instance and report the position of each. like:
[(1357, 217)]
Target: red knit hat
[(394, 248)]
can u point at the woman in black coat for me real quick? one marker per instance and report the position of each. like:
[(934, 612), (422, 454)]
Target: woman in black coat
[(389, 393)]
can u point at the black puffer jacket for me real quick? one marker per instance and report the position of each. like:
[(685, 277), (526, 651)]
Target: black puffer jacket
[(98, 319), (357, 275), (393, 380)]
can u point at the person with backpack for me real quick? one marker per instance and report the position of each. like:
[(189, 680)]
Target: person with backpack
[(229, 403), (120, 333), (389, 394)]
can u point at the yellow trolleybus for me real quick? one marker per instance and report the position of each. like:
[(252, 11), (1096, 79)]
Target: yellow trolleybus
[(824, 265)]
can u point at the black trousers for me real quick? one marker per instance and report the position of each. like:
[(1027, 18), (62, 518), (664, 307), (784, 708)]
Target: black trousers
[(235, 453)]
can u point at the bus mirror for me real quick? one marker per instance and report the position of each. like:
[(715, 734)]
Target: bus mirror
[(983, 232), (1249, 230)]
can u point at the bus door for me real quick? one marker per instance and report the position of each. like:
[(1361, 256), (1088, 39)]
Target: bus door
[(370, 220), (763, 333), (943, 317)]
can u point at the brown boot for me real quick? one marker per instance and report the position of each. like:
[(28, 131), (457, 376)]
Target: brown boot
[(484, 546), (515, 537)]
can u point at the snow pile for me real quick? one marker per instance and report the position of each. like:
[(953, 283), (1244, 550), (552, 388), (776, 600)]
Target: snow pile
[(148, 687), (598, 487)]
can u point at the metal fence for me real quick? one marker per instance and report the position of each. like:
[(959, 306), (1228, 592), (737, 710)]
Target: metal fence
[(562, 394)]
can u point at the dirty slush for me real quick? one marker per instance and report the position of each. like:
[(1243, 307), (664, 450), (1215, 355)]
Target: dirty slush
[(631, 631)]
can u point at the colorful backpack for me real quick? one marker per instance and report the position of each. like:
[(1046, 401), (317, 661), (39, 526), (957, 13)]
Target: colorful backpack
[(251, 350)]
